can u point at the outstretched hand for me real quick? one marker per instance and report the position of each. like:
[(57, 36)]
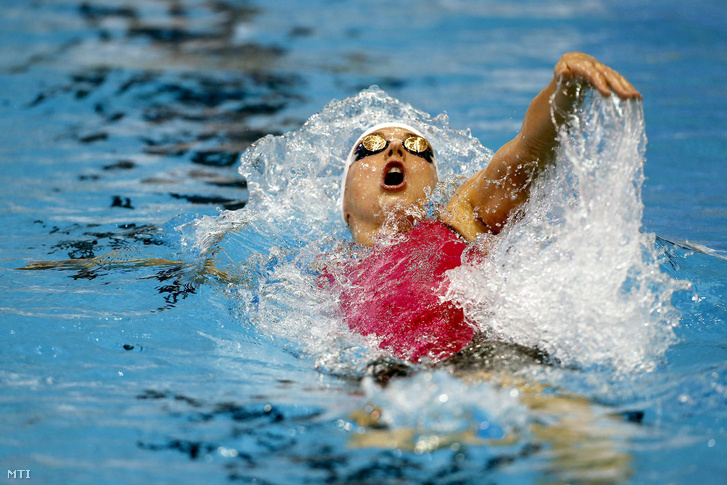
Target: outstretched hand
[(576, 66)]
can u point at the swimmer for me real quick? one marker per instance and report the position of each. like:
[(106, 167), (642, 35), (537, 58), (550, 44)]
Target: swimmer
[(396, 290)]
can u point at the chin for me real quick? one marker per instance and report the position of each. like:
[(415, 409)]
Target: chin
[(403, 204)]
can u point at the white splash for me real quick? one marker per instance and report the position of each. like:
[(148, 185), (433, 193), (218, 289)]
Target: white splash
[(576, 277)]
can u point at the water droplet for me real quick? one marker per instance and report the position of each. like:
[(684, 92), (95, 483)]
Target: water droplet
[(227, 452)]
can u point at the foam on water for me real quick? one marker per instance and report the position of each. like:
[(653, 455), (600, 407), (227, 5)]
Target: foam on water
[(435, 404), (575, 276)]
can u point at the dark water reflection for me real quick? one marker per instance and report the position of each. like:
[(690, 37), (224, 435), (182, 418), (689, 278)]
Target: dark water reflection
[(156, 98)]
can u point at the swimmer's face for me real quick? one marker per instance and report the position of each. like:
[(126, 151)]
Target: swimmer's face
[(391, 180)]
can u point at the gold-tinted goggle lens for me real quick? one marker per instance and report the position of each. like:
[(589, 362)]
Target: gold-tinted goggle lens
[(416, 144), (374, 143)]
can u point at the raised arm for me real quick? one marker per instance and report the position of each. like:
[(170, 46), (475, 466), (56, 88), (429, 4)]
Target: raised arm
[(486, 201)]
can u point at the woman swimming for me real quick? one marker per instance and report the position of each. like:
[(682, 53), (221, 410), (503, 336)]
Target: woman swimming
[(396, 291)]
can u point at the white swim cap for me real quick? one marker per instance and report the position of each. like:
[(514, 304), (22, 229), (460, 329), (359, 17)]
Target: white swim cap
[(352, 154)]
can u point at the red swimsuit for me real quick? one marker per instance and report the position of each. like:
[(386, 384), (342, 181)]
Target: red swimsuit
[(396, 294)]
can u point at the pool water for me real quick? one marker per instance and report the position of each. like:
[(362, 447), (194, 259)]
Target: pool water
[(165, 327)]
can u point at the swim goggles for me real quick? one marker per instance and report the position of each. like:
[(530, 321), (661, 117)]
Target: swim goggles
[(375, 143)]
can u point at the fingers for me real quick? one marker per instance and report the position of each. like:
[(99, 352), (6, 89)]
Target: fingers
[(576, 66), (610, 80), (599, 80), (625, 89), (618, 84)]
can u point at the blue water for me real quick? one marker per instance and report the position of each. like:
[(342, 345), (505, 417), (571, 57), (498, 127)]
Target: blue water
[(120, 132)]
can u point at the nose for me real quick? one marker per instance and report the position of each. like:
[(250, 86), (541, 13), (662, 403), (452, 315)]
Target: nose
[(396, 147)]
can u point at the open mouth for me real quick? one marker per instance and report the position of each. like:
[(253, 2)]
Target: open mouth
[(393, 178)]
